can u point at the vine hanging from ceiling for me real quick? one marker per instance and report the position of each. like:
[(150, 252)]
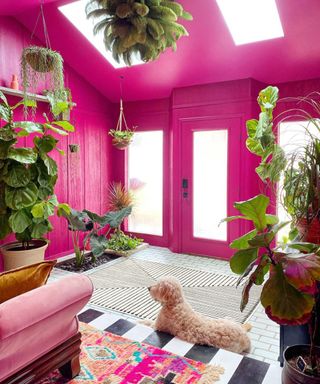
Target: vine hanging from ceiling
[(138, 28)]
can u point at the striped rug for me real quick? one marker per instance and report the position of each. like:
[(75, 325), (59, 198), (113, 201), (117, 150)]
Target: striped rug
[(123, 287), (238, 369)]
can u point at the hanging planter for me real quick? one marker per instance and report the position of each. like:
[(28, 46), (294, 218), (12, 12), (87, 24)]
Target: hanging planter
[(122, 136), (143, 28), (43, 65)]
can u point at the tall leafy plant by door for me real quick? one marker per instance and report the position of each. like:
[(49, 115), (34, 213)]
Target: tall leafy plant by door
[(28, 174)]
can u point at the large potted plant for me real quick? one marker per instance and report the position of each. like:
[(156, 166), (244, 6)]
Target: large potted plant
[(290, 273), (27, 179)]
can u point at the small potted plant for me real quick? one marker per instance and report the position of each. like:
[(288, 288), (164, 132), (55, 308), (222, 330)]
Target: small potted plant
[(121, 139), (27, 179)]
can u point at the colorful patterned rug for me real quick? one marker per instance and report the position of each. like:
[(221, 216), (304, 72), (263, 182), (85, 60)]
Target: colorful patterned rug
[(110, 359)]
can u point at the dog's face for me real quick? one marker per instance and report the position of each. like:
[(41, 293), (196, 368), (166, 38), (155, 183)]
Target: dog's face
[(167, 291)]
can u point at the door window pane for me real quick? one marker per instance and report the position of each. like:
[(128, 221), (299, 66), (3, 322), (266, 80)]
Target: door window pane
[(145, 174), (210, 162)]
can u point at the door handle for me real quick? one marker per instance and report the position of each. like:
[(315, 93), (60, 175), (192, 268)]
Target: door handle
[(185, 188)]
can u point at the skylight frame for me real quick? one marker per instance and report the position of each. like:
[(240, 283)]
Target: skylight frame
[(251, 21), (76, 15)]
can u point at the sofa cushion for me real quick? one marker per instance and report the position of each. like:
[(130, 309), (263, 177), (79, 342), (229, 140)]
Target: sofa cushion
[(24, 279)]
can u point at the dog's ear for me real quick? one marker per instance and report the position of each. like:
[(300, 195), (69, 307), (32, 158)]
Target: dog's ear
[(169, 292)]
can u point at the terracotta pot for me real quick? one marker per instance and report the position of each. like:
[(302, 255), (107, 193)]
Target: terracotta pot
[(121, 143), (310, 232), (33, 59), (14, 82), (291, 375), (15, 257)]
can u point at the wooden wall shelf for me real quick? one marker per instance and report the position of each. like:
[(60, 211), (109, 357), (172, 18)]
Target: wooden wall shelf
[(18, 93)]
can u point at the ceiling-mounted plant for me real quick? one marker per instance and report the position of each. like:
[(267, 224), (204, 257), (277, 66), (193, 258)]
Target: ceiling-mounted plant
[(143, 28), (43, 65)]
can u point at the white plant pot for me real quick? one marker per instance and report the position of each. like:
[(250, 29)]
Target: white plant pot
[(14, 256)]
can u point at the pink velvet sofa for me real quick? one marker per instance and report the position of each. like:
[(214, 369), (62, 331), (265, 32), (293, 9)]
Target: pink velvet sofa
[(39, 331)]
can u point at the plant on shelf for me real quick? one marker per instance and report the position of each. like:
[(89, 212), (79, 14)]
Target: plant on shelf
[(27, 175), (60, 103), (289, 273), (140, 28)]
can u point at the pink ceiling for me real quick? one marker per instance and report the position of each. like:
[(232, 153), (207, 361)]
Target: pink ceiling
[(207, 55)]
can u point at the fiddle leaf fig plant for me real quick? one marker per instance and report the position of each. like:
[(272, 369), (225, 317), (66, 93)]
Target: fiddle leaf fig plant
[(28, 174), (261, 140), (290, 275)]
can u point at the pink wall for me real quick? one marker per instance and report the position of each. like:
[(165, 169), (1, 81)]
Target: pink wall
[(84, 176)]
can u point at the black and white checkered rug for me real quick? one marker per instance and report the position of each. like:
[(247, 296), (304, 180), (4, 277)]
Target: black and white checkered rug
[(238, 369)]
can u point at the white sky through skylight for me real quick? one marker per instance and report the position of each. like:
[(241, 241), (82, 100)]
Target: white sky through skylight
[(251, 20), (76, 14)]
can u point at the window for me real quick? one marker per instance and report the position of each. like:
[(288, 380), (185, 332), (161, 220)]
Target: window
[(210, 170), (145, 180)]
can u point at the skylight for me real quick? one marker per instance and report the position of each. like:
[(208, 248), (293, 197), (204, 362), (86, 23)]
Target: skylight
[(251, 20), (76, 14)]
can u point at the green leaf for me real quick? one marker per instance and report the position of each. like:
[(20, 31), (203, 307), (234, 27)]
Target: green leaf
[(283, 302), (5, 229), (19, 221), (50, 164), (46, 143), (272, 219), (232, 218), (252, 127), (5, 113), (242, 242), (64, 125), (262, 239), (17, 176), (38, 210), (255, 210), (254, 146), (40, 229), (63, 208), (304, 247), (4, 147), (56, 130), (98, 244), (53, 200), (28, 127), (242, 259), (6, 133), (26, 102), (3, 98), (23, 155), (18, 198), (114, 219)]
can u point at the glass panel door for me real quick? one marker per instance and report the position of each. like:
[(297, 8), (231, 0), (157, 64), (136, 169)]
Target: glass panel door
[(210, 170), (145, 180)]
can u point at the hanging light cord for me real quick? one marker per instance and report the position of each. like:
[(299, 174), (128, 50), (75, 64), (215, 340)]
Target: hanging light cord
[(45, 30)]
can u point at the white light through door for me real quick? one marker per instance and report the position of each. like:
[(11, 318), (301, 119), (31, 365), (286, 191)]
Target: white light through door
[(210, 170), (145, 179)]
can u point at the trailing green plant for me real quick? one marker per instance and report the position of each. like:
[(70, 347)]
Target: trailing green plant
[(28, 174), (39, 65), (289, 276), (98, 234), (142, 27), (261, 139), (119, 241), (60, 102)]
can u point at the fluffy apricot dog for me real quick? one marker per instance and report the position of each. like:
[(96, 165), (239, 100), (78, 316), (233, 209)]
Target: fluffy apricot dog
[(179, 319)]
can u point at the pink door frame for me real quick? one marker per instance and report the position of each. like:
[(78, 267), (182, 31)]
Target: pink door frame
[(190, 244)]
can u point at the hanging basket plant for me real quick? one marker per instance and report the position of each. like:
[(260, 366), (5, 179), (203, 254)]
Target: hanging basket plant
[(140, 28), (40, 64)]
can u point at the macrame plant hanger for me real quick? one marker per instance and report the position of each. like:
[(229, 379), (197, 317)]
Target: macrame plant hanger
[(122, 119), (45, 29), (122, 135)]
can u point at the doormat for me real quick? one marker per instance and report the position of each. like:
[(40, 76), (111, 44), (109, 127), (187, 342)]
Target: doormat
[(110, 359), (123, 287)]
